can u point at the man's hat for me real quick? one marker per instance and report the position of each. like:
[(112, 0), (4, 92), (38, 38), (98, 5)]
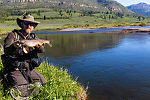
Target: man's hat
[(27, 18)]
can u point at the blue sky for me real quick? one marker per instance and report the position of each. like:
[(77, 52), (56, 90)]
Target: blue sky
[(130, 2)]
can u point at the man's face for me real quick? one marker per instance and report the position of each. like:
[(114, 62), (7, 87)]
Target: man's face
[(28, 27)]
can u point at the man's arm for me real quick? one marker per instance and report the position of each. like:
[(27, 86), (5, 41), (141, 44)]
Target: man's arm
[(8, 44)]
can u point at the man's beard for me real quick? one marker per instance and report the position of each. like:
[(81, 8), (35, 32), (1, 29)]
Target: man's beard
[(28, 31)]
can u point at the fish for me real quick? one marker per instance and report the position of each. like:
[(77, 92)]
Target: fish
[(38, 42)]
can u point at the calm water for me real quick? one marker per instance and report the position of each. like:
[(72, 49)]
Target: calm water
[(113, 66)]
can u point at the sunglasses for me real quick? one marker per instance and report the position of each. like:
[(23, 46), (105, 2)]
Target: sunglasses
[(27, 23)]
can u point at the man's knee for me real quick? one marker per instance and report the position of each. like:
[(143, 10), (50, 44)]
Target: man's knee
[(37, 77), (17, 78)]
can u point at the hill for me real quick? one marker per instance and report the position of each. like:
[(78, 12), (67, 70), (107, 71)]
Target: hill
[(74, 5), (141, 8), (113, 6), (58, 14)]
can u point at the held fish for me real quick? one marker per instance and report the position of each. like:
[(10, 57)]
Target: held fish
[(38, 42)]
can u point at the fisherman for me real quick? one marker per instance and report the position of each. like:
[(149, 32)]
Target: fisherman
[(20, 62)]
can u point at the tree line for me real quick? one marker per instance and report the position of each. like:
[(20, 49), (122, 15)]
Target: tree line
[(5, 13)]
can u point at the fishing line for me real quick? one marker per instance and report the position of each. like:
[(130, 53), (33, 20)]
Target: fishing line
[(46, 62)]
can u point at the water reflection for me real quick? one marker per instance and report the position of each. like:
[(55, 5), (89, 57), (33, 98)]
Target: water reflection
[(68, 45), (115, 66)]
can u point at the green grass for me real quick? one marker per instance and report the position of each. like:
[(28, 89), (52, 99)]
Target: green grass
[(8, 26), (59, 86), (55, 21)]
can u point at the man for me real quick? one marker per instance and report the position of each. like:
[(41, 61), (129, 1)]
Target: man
[(20, 60)]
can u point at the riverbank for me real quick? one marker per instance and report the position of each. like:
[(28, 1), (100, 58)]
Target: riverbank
[(127, 30)]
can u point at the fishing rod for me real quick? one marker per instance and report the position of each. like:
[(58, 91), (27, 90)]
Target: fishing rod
[(5, 28)]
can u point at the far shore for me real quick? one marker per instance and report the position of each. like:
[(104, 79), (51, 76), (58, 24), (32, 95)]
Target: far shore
[(132, 30), (84, 28), (127, 30)]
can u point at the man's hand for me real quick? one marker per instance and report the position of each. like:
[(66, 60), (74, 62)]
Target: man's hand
[(17, 44), (40, 44)]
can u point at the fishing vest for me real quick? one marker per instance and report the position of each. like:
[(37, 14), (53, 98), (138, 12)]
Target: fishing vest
[(14, 61)]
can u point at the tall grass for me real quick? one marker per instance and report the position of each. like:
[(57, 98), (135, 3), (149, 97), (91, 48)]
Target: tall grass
[(59, 86)]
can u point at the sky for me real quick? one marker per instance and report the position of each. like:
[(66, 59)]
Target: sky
[(130, 2)]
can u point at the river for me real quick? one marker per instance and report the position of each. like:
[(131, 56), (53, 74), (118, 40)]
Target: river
[(113, 66)]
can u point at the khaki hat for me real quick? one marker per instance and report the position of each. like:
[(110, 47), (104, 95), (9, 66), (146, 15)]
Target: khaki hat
[(27, 18)]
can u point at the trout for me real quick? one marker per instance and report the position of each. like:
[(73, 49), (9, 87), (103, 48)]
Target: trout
[(38, 42)]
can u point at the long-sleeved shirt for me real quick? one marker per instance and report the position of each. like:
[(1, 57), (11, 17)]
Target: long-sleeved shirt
[(16, 35)]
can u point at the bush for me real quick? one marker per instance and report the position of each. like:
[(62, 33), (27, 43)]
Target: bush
[(142, 24)]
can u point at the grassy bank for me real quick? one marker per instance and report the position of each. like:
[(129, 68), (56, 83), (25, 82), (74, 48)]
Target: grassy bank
[(56, 20), (8, 26), (59, 86)]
